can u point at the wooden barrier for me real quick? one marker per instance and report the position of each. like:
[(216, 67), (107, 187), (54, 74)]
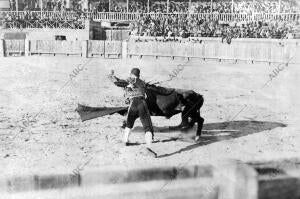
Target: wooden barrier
[(258, 50), (229, 180), (113, 49), (119, 175), (252, 50), (14, 47), (117, 35), (108, 49), (186, 188), (84, 49), (2, 51), (96, 48), (56, 47), (278, 179), (236, 180)]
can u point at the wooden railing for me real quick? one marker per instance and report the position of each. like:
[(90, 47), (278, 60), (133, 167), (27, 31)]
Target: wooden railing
[(118, 16)]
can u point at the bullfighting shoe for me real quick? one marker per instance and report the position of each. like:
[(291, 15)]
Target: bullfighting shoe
[(126, 135)]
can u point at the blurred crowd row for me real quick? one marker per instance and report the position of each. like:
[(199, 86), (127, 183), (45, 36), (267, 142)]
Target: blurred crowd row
[(37, 20), (173, 25), (206, 6), (175, 6), (193, 26)]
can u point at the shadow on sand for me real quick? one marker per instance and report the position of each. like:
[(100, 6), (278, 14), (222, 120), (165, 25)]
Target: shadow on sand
[(216, 132), (155, 141)]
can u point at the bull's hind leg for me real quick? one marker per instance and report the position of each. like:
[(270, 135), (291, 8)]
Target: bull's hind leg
[(185, 115), (200, 121), (199, 128)]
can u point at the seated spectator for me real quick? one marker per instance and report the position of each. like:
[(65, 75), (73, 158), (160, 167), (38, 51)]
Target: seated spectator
[(40, 20), (175, 6), (169, 26)]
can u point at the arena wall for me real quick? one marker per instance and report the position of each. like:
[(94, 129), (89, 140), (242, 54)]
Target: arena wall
[(254, 50), (260, 50), (119, 35)]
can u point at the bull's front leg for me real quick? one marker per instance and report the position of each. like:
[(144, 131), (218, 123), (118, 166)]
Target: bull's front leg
[(196, 118), (200, 123), (185, 115), (123, 126)]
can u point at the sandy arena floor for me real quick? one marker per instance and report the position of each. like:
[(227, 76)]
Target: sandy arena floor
[(247, 116)]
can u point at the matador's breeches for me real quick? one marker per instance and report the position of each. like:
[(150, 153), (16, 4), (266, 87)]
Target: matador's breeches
[(138, 108)]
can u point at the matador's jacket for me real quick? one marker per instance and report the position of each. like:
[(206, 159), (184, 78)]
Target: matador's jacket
[(136, 92)]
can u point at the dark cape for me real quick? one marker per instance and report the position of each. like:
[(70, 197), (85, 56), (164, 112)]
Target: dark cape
[(160, 100), (88, 113)]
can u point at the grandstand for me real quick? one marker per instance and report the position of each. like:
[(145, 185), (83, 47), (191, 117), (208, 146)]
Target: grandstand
[(157, 6), (181, 18)]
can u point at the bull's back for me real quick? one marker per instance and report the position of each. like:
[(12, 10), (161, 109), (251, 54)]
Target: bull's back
[(168, 103), (191, 98)]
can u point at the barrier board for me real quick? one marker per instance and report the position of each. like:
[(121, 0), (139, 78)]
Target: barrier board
[(55, 47), (14, 47), (238, 49)]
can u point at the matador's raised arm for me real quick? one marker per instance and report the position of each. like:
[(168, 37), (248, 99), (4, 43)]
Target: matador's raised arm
[(117, 81)]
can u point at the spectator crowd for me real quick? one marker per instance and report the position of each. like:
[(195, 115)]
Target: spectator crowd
[(194, 26), (175, 6), (171, 25), (206, 6), (37, 20)]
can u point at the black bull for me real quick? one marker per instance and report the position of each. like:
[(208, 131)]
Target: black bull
[(161, 102)]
